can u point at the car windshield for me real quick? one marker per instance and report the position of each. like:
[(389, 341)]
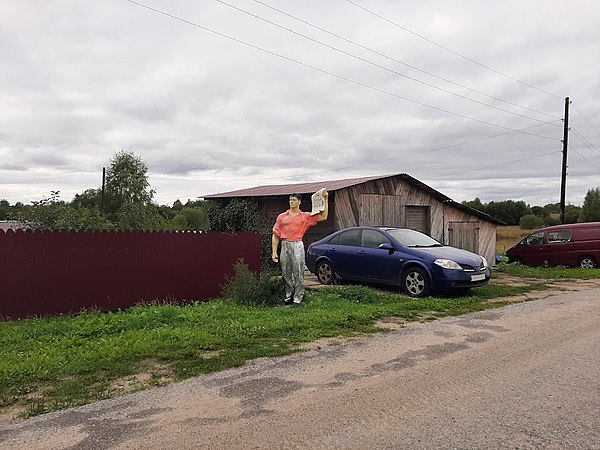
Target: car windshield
[(412, 238)]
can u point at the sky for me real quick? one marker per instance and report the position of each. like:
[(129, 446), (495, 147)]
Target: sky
[(466, 96)]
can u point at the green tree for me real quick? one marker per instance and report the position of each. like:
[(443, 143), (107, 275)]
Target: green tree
[(127, 183), (90, 198), (4, 209), (531, 222), (508, 211), (195, 218), (54, 214), (475, 204), (590, 211), (572, 213), (136, 216)]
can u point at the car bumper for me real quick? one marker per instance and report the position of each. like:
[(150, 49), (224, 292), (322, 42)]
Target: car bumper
[(458, 279)]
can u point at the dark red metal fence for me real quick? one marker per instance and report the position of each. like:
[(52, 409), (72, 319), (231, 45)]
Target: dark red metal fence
[(61, 272)]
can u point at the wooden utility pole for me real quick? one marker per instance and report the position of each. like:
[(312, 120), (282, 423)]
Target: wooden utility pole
[(103, 183), (563, 181)]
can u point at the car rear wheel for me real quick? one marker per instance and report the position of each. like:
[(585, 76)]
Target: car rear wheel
[(416, 283), (325, 273), (587, 262)]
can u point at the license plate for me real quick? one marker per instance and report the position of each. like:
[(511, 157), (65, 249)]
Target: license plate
[(479, 277)]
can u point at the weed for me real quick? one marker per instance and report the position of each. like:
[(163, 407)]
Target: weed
[(249, 289)]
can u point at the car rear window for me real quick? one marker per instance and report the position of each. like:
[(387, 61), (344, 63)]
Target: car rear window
[(373, 238), (350, 237), (555, 237)]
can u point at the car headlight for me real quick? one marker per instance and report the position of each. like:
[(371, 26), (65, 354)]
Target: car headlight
[(485, 263), (447, 264)]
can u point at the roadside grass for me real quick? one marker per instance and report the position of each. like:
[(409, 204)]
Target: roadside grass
[(48, 364), (547, 273)]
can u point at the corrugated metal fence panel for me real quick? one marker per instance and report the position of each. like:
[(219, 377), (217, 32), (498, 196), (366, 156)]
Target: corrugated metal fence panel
[(47, 273)]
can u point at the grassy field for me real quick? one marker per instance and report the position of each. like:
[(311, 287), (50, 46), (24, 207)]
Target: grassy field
[(506, 237), (55, 363)]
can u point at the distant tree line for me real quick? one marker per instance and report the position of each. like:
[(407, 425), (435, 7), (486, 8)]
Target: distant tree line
[(128, 204), (529, 217)]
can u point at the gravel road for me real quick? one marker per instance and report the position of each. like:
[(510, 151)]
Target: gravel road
[(523, 376)]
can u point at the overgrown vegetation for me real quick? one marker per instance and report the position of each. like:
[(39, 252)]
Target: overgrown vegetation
[(548, 273), (249, 289), (54, 363)]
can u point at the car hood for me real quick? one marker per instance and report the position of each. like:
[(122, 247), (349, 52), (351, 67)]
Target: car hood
[(457, 255)]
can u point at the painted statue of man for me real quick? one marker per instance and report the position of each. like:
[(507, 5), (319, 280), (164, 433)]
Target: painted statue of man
[(289, 229)]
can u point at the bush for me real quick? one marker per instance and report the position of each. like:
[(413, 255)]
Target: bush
[(530, 222), (249, 289)]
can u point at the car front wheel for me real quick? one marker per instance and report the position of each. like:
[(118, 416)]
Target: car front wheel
[(587, 262), (325, 273), (416, 283)]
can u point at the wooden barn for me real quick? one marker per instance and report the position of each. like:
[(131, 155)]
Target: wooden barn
[(392, 200)]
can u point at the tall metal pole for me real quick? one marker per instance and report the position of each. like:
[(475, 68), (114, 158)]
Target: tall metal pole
[(103, 183), (563, 181)]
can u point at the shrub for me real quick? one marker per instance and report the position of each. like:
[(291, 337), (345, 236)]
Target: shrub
[(249, 289), (530, 222)]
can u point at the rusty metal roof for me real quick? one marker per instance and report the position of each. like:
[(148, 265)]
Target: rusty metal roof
[(300, 188)]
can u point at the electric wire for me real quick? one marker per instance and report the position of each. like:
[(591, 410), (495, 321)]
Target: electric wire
[(341, 77), (450, 50), (585, 142), (588, 120), (497, 165), (401, 62), (374, 64), (588, 161), (362, 164)]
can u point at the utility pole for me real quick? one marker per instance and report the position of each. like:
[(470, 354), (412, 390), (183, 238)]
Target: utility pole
[(563, 181), (103, 183)]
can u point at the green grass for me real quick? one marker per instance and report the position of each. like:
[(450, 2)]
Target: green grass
[(548, 273), (54, 363)]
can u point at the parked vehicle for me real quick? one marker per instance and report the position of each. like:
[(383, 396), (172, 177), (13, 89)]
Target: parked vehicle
[(574, 245), (395, 256)]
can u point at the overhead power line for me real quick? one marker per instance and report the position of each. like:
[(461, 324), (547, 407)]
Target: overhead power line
[(498, 165), (587, 120), (374, 64), (589, 162), (452, 51), (402, 62), (587, 143), (341, 77)]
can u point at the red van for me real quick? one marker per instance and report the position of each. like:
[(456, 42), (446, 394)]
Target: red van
[(574, 245)]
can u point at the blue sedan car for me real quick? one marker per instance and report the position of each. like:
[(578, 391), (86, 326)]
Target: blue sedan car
[(395, 256)]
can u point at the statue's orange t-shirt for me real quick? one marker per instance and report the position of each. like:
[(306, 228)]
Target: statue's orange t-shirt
[(292, 228)]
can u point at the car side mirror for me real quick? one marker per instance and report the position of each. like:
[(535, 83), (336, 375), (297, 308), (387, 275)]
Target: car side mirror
[(388, 247)]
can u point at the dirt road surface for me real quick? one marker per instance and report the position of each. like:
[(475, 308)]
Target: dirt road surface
[(520, 377)]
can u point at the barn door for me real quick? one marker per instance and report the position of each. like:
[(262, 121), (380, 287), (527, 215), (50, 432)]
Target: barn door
[(377, 209), (464, 235), (417, 218)]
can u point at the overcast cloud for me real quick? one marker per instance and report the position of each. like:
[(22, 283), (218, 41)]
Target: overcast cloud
[(81, 80)]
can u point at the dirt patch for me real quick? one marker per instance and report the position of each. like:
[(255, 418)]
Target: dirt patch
[(556, 287)]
